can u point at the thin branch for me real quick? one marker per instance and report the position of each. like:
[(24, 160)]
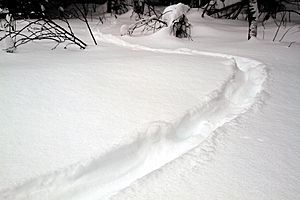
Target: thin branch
[(87, 23), (281, 21)]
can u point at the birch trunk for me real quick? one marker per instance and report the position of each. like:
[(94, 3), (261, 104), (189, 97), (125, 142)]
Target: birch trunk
[(10, 27), (252, 18)]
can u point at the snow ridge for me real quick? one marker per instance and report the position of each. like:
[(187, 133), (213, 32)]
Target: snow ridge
[(157, 145)]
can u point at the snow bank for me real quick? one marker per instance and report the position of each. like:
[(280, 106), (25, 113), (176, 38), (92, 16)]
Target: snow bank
[(158, 144)]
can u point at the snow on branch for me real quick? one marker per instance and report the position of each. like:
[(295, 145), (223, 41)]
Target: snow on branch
[(151, 24), (173, 17)]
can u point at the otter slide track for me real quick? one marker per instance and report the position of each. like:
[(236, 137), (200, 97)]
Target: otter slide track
[(159, 143)]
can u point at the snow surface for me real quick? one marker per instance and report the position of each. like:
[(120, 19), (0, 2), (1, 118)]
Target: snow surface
[(102, 118)]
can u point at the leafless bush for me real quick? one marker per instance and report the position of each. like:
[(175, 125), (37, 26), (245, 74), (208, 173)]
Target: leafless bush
[(151, 24), (41, 29)]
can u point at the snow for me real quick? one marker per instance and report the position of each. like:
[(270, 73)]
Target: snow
[(173, 12), (124, 30), (63, 100), (153, 117), (255, 156)]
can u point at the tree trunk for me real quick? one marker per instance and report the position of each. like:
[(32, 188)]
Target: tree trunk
[(252, 18), (108, 6), (10, 28)]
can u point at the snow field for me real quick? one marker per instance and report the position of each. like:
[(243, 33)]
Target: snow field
[(255, 156), (57, 101), (107, 174), (260, 155)]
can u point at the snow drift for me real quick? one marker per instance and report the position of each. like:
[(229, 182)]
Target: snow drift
[(157, 145)]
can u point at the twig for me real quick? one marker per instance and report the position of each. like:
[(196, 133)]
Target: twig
[(291, 43), (87, 24), (279, 27)]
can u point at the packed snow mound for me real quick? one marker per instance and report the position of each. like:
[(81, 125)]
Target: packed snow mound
[(173, 12), (158, 144)]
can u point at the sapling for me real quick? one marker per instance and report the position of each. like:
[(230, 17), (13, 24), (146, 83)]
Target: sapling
[(10, 26)]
